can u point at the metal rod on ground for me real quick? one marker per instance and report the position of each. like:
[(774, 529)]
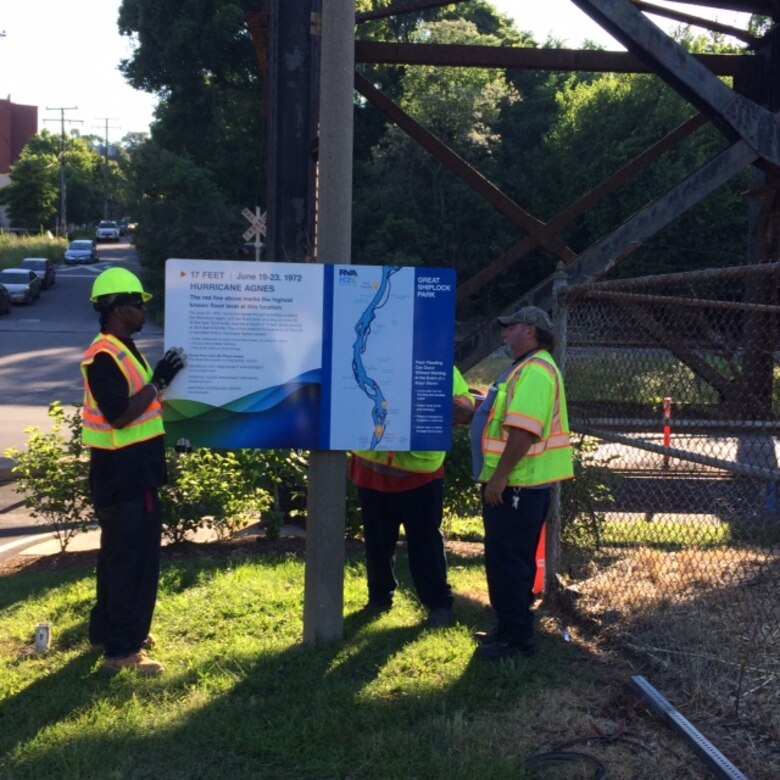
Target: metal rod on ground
[(743, 469), (323, 607), (716, 762)]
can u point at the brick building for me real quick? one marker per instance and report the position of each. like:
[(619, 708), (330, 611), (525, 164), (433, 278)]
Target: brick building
[(18, 124)]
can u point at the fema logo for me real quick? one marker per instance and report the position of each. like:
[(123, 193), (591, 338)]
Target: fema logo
[(347, 276)]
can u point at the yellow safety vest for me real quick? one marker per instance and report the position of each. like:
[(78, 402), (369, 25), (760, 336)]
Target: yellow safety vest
[(402, 463), (96, 431), (532, 398)]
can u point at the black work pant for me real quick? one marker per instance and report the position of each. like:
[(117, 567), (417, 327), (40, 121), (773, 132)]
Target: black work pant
[(128, 572), (512, 533), (420, 512)]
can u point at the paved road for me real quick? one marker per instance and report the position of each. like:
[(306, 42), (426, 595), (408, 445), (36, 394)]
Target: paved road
[(40, 349)]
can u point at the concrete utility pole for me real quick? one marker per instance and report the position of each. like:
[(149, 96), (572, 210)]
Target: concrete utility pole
[(323, 608), (62, 227), (106, 188)]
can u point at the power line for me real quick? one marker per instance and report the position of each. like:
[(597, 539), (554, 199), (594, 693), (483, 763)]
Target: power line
[(62, 228), (106, 193)]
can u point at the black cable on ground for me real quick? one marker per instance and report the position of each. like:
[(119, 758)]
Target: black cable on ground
[(566, 757)]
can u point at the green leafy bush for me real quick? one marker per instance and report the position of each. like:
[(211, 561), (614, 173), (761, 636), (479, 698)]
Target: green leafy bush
[(461, 493), (52, 475), (220, 490), (206, 488), (582, 520)]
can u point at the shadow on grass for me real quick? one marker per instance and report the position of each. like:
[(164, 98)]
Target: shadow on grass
[(65, 691), (304, 712), (33, 583), (388, 701)]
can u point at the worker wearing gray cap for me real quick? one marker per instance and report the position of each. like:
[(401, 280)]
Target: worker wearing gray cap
[(522, 433)]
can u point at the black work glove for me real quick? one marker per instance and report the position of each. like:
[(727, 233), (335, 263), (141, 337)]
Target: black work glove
[(173, 361)]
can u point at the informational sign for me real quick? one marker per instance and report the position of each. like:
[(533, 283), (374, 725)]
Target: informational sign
[(310, 356)]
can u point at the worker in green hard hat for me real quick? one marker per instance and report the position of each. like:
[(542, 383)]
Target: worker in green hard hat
[(123, 427)]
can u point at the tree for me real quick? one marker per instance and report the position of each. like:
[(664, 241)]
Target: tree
[(598, 130), (180, 210), (408, 207), (199, 58), (33, 197)]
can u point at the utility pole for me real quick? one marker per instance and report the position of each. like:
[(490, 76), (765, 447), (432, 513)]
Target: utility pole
[(62, 227), (323, 606), (106, 189)]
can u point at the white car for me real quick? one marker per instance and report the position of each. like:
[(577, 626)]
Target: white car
[(107, 230)]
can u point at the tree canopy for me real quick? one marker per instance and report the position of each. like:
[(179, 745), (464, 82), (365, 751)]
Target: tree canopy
[(543, 138), (33, 196)]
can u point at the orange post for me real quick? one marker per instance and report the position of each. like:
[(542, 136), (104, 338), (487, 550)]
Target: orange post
[(667, 428), (541, 553)]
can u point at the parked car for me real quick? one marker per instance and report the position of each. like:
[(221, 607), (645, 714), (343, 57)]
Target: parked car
[(5, 300), (44, 269), (82, 250), (22, 284), (107, 230)]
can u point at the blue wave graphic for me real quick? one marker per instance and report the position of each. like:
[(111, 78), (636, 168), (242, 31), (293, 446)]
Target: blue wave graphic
[(291, 422)]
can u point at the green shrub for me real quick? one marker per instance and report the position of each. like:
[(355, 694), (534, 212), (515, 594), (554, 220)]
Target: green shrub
[(581, 521), (52, 474), (220, 490), (461, 493), (210, 489)]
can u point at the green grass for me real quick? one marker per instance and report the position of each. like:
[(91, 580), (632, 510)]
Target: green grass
[(13, 248), (243, 698), (469, 529), (668, 535)]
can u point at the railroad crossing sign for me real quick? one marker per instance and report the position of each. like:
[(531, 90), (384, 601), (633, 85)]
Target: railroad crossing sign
[(256, 229)]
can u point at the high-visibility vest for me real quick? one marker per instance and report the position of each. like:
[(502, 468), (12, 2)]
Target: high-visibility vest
[(536, 381), (96, 431), (402, 463)]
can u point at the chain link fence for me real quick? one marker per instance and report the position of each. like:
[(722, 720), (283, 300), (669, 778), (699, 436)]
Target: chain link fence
[(671, 533)]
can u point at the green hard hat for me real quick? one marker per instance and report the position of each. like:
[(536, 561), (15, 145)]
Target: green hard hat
[(116, 281)]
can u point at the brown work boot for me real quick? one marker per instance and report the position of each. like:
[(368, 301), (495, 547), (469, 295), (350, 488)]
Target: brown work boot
[(138, 662)]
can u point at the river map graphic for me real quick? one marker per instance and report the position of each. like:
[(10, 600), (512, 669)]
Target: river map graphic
[(363, 330)]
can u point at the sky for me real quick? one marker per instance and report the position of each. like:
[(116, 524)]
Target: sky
[(56, 54), (65, 55), (564, 20)]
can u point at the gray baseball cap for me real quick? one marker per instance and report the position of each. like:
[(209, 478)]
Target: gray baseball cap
[(527, 315)]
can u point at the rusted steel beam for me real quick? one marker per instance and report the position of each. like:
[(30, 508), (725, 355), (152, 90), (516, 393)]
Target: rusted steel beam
[(743, 469), (733, 114), (519, 58), (580, 206), (625, 239), (463, 170), (763, 7), (709, 24), (726, 387), (403, 8), (683, 277), (675, 301), (611, 250)]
